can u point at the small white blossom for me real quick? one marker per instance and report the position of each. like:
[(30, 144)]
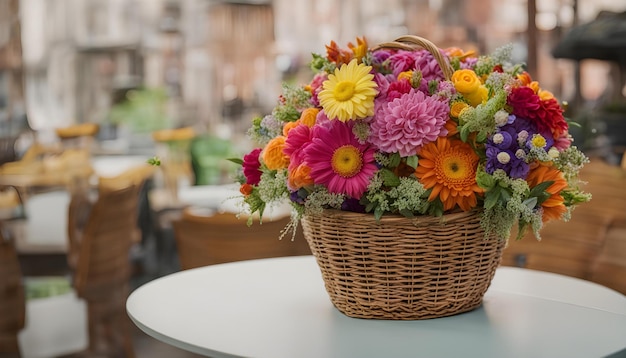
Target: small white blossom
[(520, 154), (553, 153), (522, 136), (503, 157), (501, 117), (498, 138)]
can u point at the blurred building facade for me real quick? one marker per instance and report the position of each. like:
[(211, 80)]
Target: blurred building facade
[(223, 61)]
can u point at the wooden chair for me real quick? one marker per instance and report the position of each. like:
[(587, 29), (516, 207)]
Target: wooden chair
[(103, 269), (592, 245), (82, 201), (213, 239), (12, 298)]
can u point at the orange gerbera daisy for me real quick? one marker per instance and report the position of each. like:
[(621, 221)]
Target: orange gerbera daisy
[(448, 167), (553, 207)]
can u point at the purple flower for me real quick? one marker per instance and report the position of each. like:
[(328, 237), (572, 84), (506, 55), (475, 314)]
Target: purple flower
[(507, 160), (352, 204)]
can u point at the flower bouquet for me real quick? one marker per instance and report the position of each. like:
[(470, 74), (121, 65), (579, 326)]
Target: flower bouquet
[(409, 166)]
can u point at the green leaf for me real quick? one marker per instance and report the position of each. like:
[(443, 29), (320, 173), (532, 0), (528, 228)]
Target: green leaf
[(378, 213), (394, 160), (541, 188), (412, 161), (531, 203), (492, 196), (407, 213), (464, 132), (481, 137), (235, 160), (485, 181), (389, 178)]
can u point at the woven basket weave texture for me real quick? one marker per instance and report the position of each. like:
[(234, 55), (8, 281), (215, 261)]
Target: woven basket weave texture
[(400, 268)]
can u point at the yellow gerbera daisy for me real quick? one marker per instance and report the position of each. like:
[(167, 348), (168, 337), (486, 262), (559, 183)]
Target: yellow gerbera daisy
[(449, 168), (349, 92)]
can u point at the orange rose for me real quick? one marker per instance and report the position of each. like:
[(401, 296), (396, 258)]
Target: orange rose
[(273, 155), (289, 126), (309, 116), (300, 177)]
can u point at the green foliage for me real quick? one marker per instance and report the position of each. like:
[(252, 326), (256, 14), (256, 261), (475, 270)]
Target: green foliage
[(143, 110), (156, 161)]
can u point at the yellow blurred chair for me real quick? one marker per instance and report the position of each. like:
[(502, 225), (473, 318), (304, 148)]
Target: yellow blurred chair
[(173, 148)]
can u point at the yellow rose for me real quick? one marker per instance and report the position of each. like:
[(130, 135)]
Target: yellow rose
[(466, 81), (456, 108), (477, 97), (405, 75), (273, 155)]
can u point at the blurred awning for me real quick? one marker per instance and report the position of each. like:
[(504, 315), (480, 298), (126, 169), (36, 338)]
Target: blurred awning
[(602, 39)]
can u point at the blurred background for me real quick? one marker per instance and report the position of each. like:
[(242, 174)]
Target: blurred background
[(136, 66), (91, 89)]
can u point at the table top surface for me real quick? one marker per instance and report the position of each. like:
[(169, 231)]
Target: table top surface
[(279, 308)]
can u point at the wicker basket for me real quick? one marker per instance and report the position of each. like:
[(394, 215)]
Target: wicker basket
[(400, 268)]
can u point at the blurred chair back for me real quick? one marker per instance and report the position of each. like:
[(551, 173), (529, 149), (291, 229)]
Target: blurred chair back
[(592, 245), (103, 268), (12, 297), (203, 240)]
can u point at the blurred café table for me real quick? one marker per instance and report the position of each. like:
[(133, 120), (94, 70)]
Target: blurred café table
[(40, 234)]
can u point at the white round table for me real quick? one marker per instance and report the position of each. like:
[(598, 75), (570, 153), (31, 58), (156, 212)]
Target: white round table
[(278, 308)]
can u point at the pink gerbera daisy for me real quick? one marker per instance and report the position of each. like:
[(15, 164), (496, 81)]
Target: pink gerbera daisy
[(405, 124), (338, 161)]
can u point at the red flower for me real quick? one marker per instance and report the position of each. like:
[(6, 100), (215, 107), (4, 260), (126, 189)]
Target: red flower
[(551, 117), (524, 102), (547, 114), (245, 189), (251, 167), (398, 88)]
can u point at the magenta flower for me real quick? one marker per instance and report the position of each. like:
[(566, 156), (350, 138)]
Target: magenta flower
[(398, 88), (297, 139), (402, 61), (251, 167), (338, 161), (407, 123)]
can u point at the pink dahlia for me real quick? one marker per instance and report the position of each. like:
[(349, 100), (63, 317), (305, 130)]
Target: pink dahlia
[(402, 61), (338, 161), (407, 123), (426, 63), (251, 167)]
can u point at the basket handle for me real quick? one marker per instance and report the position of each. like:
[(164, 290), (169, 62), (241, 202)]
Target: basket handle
[(411, 42)]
